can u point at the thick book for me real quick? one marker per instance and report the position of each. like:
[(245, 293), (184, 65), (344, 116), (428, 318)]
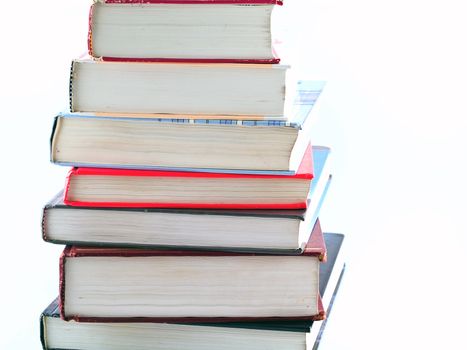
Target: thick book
[(180, 88), (183, 142), (190, 286), (279, 231), (182, 31), (281, 335), (103, 187)]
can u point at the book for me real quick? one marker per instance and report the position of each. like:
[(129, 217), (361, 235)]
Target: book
[(187, 142), (284, 231), (179, 88), (182, 31), (190, 286), (171, 189), (59, 334)]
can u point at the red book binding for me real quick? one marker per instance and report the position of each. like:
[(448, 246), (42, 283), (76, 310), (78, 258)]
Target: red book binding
[(274, 60), (305, 171), (315, 247), (246, 2)]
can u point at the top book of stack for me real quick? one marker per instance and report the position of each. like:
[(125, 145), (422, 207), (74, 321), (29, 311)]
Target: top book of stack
[(214, 31)]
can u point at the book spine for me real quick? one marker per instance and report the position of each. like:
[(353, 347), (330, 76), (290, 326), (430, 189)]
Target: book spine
[(50, 311), (70, 87), (43, 218), (67, 186), (91, 10), (52, 138), (61, 282), (45, 210), (42, 332)]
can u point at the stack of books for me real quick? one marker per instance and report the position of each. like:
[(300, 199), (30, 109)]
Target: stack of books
[(190, 214)]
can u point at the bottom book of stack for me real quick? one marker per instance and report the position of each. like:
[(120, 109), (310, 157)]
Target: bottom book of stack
[(141, 334)]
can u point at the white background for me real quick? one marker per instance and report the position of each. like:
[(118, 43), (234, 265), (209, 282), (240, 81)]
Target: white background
[(393, 111)]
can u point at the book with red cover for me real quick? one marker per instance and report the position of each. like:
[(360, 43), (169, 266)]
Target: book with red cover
[(281, 268), (104, 187), (152, 53)]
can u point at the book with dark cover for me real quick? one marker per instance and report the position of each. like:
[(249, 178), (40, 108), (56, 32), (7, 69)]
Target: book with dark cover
[(331, 273)]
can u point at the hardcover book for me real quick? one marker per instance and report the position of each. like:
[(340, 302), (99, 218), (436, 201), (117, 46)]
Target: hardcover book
[(183, 142), (179, 88), (282, 335), (199, 31), (190, 286), (168, 189)]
